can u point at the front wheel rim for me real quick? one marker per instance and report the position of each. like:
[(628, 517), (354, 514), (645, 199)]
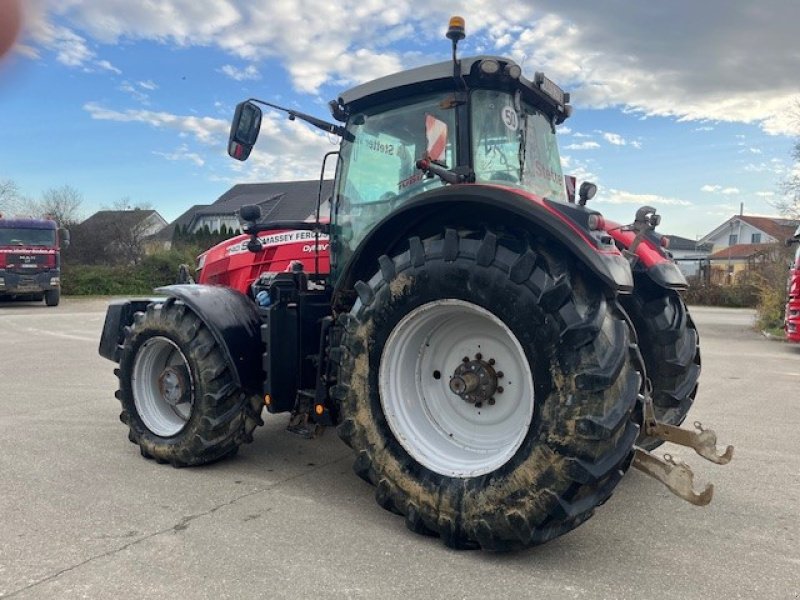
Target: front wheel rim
[(447, 433), (162, 386)]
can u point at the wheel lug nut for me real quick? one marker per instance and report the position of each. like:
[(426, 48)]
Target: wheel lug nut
[(465, 359), (499, 389), (491, 401), (478, 404), (491, 361), (478, 356)]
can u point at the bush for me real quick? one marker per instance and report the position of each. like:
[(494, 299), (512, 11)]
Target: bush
[(157, 269), (731, 296)]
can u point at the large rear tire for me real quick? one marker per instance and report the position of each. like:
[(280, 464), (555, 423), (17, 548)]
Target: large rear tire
[(557, 435), (670, 346), (178, 395)]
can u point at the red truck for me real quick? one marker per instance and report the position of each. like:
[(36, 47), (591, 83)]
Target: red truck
[(792, 320), (30, 259)]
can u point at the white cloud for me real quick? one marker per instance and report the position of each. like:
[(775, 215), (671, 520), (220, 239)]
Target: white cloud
[(703, 128), (107, 66), (134, 92), (182, 153), (204, 129), (613, 196), (583, 146), (147, 85), (614, 138), (729, 65), (765, 194), (249, 73), (718, 189)]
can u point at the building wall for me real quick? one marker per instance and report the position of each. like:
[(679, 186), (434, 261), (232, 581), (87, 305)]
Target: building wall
[(744, 235)]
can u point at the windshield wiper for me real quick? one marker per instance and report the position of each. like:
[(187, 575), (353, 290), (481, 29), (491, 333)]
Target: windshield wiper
[(452, 176)]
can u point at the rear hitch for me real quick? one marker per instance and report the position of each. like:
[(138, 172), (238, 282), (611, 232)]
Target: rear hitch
[(677, 475)]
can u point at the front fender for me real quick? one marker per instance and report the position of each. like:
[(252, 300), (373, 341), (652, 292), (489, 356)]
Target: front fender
[(233, 320)]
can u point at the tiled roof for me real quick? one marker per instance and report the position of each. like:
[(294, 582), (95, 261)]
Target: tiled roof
[(281, 200), (740, 251), (780, 229)]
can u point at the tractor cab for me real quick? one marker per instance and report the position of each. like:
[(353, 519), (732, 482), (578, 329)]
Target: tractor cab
[(467, 121)]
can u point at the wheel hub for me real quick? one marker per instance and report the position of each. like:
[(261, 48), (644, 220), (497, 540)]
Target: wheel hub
[(173, 383), (476, 381)]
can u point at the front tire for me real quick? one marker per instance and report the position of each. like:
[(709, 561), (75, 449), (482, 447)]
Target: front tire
[(52, 297), (178, 395), (557, 439)]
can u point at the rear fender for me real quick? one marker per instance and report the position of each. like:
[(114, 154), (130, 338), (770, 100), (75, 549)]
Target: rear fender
[(652, 259), (488, 206)]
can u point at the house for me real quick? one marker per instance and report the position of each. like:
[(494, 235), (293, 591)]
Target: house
[(742, 243), (745, 229), (283, 200), (115, 234)]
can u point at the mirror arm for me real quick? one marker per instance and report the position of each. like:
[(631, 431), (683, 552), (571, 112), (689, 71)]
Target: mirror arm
[(294, 114)]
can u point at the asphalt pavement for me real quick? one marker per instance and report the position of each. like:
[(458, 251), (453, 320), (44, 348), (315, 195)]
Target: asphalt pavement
[(82, 515)]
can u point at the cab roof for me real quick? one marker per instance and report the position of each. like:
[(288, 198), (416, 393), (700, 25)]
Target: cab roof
[(439, 77)]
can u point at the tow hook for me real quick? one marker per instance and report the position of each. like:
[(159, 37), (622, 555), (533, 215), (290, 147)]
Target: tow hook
[(677, 475)]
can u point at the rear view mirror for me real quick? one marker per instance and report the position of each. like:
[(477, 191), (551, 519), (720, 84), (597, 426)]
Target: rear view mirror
[(63, 235), (244, 130), (250, 213)]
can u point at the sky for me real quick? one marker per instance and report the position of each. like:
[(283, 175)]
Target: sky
[(690, 107)]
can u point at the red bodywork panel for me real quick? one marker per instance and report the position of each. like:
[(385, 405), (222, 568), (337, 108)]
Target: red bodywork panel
[(792, 320), (649, 254), (231, 264)]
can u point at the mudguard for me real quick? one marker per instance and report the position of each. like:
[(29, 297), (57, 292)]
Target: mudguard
[(652, 260), (233, 320), (230, 316), (491, 206)]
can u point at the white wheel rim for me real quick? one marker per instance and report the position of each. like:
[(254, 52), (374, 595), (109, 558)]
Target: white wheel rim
[(438, 428), (157, 394)]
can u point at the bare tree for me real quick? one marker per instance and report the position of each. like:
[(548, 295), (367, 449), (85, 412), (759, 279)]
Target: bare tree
[(789, 204), (62, 204), (10, 199)]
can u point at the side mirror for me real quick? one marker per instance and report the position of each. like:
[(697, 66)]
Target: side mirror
[(63, 235), (244, 130), (586, 192), (250, 213), (792, 241)]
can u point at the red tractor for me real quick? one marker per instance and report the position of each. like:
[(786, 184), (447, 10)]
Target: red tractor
[(490, 350)]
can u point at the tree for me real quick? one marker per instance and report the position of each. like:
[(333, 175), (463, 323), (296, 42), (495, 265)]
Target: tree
[(9, 196), (63, 204), (789, 205)]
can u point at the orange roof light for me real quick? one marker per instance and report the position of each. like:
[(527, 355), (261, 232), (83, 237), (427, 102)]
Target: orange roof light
[(319, 409), (456, 29)]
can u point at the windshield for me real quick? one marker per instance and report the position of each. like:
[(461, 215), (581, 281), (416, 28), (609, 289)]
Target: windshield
[(18, 236), (378, 169), (515, 146)]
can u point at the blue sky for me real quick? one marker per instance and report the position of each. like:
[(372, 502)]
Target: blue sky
[(691, 108)]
